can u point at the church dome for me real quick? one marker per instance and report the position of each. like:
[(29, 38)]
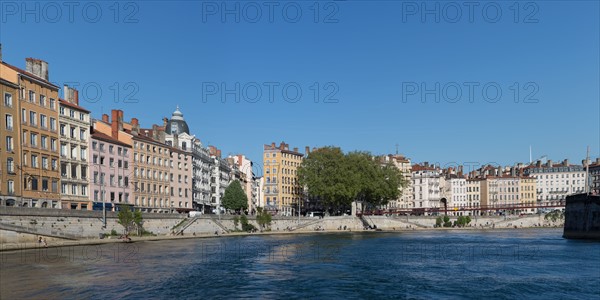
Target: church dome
[(177, 124)]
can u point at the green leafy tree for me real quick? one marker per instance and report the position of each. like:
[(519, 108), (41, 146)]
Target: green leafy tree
[(236, 222), (438, 222), (338, 179), (130, 220), (447, 222), (246, 226), (263, 218), (326, 174), (235, 198)]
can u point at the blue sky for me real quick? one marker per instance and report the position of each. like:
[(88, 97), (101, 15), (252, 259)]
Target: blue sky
[(175, 52)]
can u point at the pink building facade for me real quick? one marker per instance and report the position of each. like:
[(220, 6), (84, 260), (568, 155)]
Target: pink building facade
[(110, 170)]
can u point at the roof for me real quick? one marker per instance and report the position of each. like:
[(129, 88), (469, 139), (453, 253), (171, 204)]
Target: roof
[(72, 105), (418, 167), (21, 71), (107, 138), (145, 138)]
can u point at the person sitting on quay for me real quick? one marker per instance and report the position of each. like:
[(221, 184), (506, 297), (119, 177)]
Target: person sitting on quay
[(125, 238)]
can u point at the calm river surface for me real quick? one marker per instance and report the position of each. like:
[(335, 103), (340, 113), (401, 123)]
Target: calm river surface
[(510, 264)]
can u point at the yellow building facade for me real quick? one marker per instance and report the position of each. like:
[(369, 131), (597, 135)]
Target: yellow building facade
[(282, 191)]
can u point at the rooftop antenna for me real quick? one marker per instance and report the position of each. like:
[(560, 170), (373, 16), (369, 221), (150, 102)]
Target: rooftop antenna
[(530, 161), (396, 149)]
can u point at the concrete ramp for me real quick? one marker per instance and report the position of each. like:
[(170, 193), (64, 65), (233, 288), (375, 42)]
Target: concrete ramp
[(48, 233)]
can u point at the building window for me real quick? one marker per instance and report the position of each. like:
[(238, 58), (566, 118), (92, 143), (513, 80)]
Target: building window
[(31, 96), (45, 163), (54, 164), (43, 120), (33, 139), (33, 118), (63, 129), (8, 100), (34, 184), (24, 115), (9, 143), (44, 184), (52, 104), (63, 150), (10, 165), (52, 124), (44, 142), (71, 113), (54, 185), (10, 187), (8, 120)]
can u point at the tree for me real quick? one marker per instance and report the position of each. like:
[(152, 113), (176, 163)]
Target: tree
[(447, 222), (235, 198), (338, 179), (246, 226), (325, 173), (236, 222), (130, 220), (263, 218)]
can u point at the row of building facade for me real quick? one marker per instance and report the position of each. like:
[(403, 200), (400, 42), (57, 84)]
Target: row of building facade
[(55, 155), (491, 189)]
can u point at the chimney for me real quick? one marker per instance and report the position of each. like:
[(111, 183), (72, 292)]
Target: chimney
[(273, 145), (114, 124), (135, 126), (165, 120), (295, 149), (71, 95), (306, 150), (37, 67), (566, 162), (549, 164), (218, 153), (120, 120), (105, 118), (538, 163), (598, 160), (155, 133)]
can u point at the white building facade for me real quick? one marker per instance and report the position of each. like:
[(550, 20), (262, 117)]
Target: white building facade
[(554, 182), (74, 125), (427, 184)]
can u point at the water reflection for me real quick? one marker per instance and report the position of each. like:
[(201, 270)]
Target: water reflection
[(368, 265)]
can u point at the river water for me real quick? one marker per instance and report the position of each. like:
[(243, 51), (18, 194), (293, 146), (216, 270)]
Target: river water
[(501, 264)]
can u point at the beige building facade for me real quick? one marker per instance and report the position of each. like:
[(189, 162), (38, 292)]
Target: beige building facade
[(282, 191)]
